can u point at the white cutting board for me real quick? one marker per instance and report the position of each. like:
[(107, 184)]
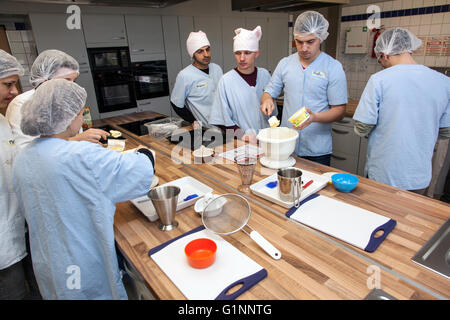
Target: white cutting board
[(346, 222), (188, 186), (230, 268), (261, 189)]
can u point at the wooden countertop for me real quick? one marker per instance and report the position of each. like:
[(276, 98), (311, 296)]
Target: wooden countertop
[(314, 265)]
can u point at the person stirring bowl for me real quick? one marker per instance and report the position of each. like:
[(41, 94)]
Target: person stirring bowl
[(68, 191), (312, 79)]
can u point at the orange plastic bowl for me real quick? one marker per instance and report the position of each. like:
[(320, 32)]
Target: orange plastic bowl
[(201, 253)]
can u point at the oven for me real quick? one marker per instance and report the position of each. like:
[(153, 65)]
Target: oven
[(113, 78), (150, 79)]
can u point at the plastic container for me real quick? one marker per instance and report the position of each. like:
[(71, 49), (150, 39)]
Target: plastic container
[(163, 128), (344, 182), (299, 117), (201, 253)]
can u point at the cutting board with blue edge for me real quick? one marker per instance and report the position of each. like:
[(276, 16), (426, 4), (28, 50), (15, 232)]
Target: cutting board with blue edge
[(341, 220), (231, 268)]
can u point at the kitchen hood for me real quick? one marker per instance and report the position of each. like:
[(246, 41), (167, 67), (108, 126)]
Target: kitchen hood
[(283, 5), (115, 3)]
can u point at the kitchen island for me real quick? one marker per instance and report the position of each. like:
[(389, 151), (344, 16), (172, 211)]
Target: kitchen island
[(314, 265)]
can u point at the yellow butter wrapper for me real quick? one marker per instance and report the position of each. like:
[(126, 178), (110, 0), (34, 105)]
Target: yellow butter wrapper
[(299, 117)]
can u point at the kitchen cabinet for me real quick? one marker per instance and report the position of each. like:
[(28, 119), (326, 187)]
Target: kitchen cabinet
[(252, 23), (185, 27), (228, 26), (172, 48), (362, 155), (213, 29), (104, 30), (277, 39), (50, 32), (349, 149), (145, 38), (159, 105)]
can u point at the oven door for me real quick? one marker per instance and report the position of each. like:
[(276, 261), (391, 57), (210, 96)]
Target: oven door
[(108, 59), (114, 91), (150, 79)]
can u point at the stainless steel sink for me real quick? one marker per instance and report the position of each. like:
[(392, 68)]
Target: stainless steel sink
[(378, 294), (435, 254)]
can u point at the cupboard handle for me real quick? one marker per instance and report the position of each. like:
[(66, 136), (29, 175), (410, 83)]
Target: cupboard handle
[(137, 50), (340, 131), (144, 104), (118, 38), (338, 158)]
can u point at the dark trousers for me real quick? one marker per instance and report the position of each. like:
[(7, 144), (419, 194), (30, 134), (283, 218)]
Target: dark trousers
[(17, 282), (325, 159)]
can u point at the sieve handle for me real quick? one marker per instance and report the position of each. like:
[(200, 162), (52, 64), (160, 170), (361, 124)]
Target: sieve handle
[(266, 245)]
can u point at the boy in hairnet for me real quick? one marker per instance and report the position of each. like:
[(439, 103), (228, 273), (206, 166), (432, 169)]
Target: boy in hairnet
[(50, 64), (68, 191), (193, 93), (312, 79), (403, 109), (236, 105)]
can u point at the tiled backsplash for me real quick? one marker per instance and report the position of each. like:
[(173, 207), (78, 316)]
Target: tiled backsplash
[(24, 49), (427, 19)]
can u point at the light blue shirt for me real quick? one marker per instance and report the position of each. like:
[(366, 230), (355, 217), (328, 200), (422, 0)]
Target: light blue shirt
[(68, 191), (320, 85), (407, 104), (197, 89), (237, 103)]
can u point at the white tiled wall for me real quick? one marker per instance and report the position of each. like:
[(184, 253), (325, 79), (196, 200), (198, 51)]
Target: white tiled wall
[(359, 67), (24, 49)]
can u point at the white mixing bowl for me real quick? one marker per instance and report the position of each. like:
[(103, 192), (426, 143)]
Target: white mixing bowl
[(278, 143)]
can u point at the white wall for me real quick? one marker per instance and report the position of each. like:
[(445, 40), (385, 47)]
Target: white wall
[(359, 67)]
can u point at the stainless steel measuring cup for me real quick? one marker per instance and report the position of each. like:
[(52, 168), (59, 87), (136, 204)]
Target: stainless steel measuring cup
[(290, 185)]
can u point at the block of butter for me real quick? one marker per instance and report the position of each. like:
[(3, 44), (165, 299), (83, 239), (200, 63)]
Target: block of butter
[(299, 117), (274, 122)]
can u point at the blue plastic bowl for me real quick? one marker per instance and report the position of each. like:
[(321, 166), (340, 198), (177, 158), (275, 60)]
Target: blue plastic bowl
[(344, 182)]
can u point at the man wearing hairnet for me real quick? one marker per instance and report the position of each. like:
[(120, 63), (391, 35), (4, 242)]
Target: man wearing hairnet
[(193, 93), (15, 265), (68, 191), (236, 104), (50, 64), (403, 109), (312, 79)]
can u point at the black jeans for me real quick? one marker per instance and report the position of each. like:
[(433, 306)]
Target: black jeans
[(325, 159), (18, 282)]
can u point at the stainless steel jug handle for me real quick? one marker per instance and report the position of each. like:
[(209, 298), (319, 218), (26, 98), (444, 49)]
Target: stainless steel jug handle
[(296, 193)]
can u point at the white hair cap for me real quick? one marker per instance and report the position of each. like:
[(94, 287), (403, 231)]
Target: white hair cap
[(247, 40), (395, 41), (9, 66), (54, 105), (50, 64), (311, 22), (195, 41)]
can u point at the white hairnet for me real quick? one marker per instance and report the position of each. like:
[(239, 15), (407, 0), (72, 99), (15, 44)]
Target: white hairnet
[(395, 41), (195, 41), (50, 64), (9, 66), (247, 40), (53, 107), (311, 22)]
